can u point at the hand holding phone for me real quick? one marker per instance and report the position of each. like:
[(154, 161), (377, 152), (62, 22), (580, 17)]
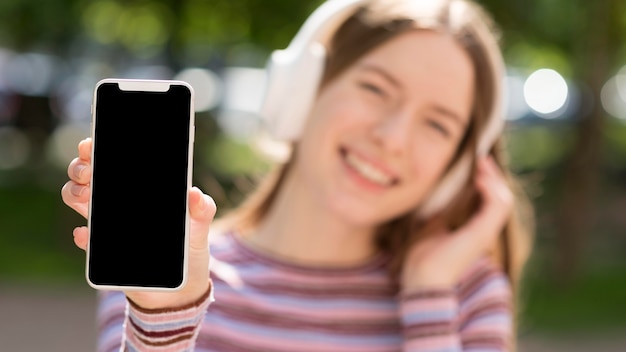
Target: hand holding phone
[(147, 227), (76, 194)]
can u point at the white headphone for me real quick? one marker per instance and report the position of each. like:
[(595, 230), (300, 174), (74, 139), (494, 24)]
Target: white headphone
[(294, 75)]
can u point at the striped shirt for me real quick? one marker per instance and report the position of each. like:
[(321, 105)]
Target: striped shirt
[(258, 303)]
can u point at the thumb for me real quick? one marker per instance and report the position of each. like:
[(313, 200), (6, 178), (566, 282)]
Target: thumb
[(202, 210)]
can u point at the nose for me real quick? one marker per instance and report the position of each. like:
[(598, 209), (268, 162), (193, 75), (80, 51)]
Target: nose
[(394, 130)]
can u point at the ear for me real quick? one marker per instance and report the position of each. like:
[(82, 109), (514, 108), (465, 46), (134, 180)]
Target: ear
[(294, 73)]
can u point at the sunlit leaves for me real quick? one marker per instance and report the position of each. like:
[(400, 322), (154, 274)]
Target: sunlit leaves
[(143, 28)]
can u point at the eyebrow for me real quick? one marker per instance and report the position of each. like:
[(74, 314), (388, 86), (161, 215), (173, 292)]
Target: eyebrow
[(442, 110), (379, 70)]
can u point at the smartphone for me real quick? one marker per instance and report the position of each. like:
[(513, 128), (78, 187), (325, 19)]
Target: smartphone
[(142, 133)]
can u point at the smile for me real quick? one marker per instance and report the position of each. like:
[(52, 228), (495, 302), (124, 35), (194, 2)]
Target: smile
[(367, 170)]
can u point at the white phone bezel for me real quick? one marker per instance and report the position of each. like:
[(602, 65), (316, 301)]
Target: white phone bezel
[(146, 85)]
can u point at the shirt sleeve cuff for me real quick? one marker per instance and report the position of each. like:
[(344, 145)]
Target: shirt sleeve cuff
[(167, 329)]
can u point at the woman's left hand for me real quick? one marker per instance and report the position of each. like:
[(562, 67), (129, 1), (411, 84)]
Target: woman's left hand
[(442, 256)]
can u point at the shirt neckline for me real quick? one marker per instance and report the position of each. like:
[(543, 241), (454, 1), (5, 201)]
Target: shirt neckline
[(374, 263)]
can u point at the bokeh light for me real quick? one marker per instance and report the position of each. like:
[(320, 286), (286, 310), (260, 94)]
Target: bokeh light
[(546, 92), (243, 94), (514, 102), (61, 146), (613, 95), (146, 72), (14, 148), (207, 87), (30, 74)]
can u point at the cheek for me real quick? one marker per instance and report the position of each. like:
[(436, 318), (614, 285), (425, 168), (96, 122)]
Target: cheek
[(324, 131)]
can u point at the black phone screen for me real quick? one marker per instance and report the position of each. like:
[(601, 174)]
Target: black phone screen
[(138, 214)]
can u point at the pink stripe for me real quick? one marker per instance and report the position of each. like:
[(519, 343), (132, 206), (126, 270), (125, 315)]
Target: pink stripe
[(168, 317), (298, 280), (306, 312), (321, 292), (164, 317), (334, 327), (484, 328), (498, 293), (378, 281), (262, 343), (442, 342)]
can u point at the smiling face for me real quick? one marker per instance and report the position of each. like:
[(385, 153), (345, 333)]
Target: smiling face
[(383, 132)]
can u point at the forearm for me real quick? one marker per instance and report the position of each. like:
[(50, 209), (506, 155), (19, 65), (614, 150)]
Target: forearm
[(429, 318), (476, 315)]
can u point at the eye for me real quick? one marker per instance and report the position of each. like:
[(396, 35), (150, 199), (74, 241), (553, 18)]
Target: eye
[(372, 88), (438, 127)]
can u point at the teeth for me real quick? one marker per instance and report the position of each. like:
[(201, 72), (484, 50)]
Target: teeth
[(368, 171)]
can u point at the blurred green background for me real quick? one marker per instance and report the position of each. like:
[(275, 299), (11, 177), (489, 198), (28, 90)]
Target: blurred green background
[(566, 110)]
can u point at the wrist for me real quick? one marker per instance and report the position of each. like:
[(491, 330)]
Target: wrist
[(425, 281), (169, 301), (433, 286)]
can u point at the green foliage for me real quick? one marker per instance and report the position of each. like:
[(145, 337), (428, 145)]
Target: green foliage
[(232, 157), (36, 236), (593, 302), (143, 28), (532, 56), (615, 137), (539, 147)]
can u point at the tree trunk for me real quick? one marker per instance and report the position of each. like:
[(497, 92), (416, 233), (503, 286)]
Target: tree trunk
[(575, 216)]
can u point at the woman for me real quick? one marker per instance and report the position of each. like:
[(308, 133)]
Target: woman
[(340, 248)]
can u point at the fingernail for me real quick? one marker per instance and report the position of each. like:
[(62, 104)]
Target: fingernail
[(77, 190), (78, 169)]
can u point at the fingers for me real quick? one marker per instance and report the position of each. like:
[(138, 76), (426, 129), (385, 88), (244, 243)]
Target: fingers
[(76, 196), (79, 171), (81, 235), (75, 193), (493, 187), (84, 149), (497, 202), (202, 209)]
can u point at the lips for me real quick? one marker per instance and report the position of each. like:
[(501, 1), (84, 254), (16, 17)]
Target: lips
[(367, 170)]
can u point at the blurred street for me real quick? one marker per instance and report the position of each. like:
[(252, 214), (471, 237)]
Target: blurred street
[(51, 320)]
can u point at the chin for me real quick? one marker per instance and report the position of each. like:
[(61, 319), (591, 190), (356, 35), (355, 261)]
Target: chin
[(362, 215)]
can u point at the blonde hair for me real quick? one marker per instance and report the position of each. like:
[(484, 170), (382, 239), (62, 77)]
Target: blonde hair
[(474, 30)]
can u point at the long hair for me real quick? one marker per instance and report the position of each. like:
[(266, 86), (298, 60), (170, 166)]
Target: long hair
[(472, 27)]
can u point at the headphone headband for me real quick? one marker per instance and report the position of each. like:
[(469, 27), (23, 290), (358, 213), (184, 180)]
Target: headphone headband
[(294, 73), (321, 25)]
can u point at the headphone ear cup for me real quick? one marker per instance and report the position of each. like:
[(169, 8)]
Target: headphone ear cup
[(292, 83), (448, 188)]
